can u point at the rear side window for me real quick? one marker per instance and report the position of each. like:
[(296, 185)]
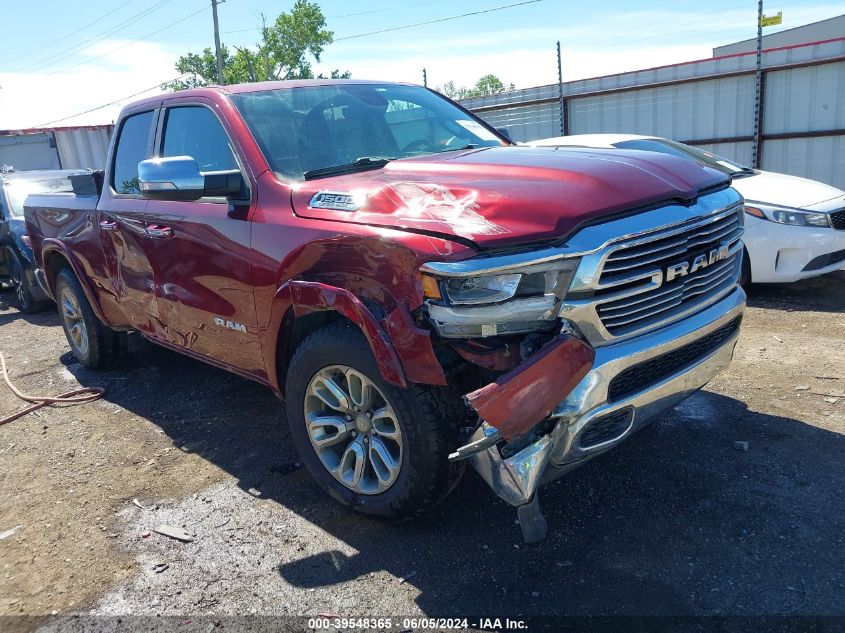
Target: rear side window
[(194, 131), (132, 146)]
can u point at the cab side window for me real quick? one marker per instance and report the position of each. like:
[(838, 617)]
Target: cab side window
[(132, 148), (194, 131)]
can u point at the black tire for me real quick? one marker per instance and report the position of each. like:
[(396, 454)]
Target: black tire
[(428, 434), (104, 345), (745, 272), (26, 302)]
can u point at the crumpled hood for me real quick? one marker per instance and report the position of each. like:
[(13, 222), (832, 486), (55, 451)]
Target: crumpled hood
[(791, 191), (508, 195)]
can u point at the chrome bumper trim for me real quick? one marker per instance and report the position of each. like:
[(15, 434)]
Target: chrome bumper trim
[(516, 479)]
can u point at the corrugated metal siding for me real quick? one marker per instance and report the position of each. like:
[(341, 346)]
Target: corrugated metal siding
[(711, 107), (820, 158), (25, 152), (805, 99), (739, 152), (83, 148), (513, 97), (526, 123), (700, 110)]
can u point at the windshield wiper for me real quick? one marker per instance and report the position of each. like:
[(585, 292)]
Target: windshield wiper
[(364, 162), (458, 149)]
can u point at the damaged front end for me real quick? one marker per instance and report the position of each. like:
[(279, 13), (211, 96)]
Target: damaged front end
[(576, 347)]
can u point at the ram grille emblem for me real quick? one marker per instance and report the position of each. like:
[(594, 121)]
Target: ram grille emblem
[(704, 260)]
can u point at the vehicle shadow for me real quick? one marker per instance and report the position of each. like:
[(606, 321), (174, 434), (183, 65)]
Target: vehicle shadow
[(9, 312), (817, 294), (674, 522)]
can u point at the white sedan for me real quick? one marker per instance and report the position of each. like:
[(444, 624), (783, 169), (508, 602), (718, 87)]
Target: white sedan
[(795, 227)]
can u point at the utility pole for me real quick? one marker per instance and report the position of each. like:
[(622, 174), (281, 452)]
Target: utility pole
[(560, 93), (425, 78), (217, 48), (758, 90)]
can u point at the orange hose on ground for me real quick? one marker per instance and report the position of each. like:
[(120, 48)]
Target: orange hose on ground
[(77, 396)]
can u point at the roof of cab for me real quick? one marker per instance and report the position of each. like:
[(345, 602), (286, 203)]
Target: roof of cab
[(258, 86)]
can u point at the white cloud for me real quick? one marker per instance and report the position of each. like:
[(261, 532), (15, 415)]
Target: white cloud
[(620, 42), (115, 70), (522, 67)]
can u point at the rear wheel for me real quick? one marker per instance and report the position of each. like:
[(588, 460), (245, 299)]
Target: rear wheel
[(374, 447), (26, 302), (92, 343)]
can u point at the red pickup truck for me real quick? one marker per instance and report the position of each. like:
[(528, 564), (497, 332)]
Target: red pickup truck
[(419, 290)]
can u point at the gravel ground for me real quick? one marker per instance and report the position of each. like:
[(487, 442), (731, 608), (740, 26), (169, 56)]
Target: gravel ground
[(677, 521)]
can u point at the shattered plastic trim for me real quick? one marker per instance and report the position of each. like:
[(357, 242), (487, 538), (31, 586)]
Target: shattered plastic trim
[(518, 400)]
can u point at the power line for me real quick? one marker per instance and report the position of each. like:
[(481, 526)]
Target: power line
[(329, 17), (352, 15), (128, 44), (72, 33), (116, 101), (48, 61), (453, 17), (349, 37), (406, 26)]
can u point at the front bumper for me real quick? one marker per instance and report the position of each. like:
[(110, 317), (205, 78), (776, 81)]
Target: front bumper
[(780, 253), (516, 478)]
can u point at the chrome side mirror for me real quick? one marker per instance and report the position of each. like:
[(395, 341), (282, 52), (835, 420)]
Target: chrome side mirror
[(179, 178)]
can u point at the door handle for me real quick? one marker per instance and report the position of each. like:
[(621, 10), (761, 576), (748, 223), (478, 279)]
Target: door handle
[(108, 225), (159, 232)]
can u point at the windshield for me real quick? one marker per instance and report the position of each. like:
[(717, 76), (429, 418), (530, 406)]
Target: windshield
[(18, 190), (304, 132), (688, 152)]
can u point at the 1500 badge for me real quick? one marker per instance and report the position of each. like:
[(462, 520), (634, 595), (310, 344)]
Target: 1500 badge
[(336, 200)]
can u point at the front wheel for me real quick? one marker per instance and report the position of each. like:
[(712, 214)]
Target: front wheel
[(374, 447)]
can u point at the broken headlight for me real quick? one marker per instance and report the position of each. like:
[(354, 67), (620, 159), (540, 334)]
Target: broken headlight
[(473, 298), (483, 289)]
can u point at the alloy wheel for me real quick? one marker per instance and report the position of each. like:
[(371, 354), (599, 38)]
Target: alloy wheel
[(353, 429), (74, 321), (20, 288)]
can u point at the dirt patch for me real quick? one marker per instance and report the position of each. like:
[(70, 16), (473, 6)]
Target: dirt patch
[(677, 521)]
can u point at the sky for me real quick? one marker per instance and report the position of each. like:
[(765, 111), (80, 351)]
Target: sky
[(60, 58)]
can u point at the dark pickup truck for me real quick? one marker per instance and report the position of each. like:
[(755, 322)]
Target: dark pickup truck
[(421, 292)]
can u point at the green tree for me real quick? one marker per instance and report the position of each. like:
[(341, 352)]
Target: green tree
[(490, 85), (285, 51), (486, 85), (452, 91)]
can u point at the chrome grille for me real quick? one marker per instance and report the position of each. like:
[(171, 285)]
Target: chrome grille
[(634, 290)]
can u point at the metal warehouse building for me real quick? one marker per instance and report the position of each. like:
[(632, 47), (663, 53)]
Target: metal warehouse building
[(78, 147), (708, 103)]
